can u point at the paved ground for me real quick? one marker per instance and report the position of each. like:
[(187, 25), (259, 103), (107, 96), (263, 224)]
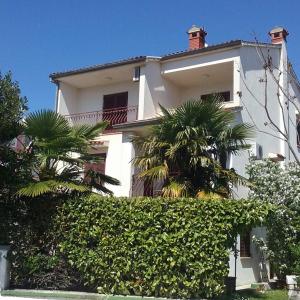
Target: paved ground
[(19, 298)]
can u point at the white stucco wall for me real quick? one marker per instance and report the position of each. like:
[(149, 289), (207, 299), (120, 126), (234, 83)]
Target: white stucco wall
[(249, 269), (155, 90), (253, 112), (91, 99), (67, 99), (73, 101), (194, 93), (119, 153), (294, 93), (202, 60), (252, 102)]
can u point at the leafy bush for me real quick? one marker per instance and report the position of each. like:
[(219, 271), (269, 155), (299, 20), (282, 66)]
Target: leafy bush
[(155, 247), (281, 186), (27, 225)]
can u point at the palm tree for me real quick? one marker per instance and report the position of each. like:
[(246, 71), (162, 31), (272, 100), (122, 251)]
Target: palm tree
[(188, 149), (58, 153)]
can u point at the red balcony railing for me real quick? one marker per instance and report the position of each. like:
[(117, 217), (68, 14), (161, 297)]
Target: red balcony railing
[(113, 116)]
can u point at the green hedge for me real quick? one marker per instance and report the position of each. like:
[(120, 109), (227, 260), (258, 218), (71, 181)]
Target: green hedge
[(154, 247)]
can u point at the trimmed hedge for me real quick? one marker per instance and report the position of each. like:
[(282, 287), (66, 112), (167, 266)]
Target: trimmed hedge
[(159, 247)]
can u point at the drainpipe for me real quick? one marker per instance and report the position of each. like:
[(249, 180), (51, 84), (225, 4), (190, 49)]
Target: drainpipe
[(56, 82)]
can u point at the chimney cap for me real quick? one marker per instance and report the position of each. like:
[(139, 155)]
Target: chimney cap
[(196, 28), (278, 29)]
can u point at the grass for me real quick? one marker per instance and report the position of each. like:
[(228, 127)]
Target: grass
[(253, 295)]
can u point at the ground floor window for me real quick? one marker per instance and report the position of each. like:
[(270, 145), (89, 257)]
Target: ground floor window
[(245, 243)]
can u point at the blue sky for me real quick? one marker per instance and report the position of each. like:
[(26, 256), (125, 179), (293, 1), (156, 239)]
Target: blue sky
[(39, 37)]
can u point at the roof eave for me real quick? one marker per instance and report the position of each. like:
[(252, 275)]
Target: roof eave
[(56, 76)]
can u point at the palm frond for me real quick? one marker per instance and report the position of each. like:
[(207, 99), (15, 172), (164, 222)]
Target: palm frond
[(36, 189), (160, 172), (176, 189), (103, 178), (89, 132), (46, 124)]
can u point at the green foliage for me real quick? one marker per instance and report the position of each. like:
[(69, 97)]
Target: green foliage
[(295, 253), (189, 148), (35, 260), (58, 153), (12, 108), (271, 183), (165, 247), (13, 170)]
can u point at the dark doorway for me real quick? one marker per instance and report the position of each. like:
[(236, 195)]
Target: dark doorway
[(115, 108)]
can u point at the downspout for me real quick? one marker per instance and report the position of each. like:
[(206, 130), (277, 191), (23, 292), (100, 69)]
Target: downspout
[(288, 106), (56, 82), (284, 150)]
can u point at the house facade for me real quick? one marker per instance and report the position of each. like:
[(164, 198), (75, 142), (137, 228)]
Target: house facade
[(128, 94)]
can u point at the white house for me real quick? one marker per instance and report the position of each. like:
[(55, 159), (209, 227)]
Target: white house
[(127, 93)]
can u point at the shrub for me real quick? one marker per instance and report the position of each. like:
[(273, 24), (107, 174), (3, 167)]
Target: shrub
[(272, 183), (162, 247), (27, 225)]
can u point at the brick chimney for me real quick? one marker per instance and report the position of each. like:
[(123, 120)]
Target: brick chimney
[(196, 37), (278, 35)]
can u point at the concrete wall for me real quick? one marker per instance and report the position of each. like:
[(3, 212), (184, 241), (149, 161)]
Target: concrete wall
[(294, 93), (4, 267), (72, 100), (119, 153), (249, 269), (91, 99), (201, 60), (67, 99), (194, 93), (253, 112), (155, 90)]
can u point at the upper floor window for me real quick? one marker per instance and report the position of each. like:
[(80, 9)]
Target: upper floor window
[(225, 96)]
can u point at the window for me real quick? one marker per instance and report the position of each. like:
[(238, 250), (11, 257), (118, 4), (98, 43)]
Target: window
[(225, 96), (245, 242), (115, 108), (194, 34)]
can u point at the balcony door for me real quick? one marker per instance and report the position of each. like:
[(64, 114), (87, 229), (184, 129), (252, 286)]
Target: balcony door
[(115, 107)]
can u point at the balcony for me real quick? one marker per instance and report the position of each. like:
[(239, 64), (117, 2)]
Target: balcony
[(112, 116)]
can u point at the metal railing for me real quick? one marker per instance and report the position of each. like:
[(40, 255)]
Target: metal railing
[(112, 116)]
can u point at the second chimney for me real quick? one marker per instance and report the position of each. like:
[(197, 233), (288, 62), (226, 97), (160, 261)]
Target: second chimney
[(278, 35), (196, 37)]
